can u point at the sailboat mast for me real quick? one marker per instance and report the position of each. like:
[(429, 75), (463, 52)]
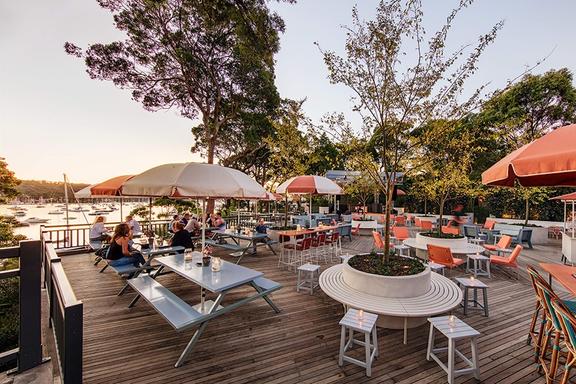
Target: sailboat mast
[(66, 204)]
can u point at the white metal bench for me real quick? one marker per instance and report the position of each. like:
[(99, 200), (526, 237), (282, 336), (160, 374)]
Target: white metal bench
[(443, 296)]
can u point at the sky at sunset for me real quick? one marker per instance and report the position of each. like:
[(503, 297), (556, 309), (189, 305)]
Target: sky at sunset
[(55, 119)]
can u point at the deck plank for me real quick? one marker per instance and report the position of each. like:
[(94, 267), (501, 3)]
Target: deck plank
[(300, 345)]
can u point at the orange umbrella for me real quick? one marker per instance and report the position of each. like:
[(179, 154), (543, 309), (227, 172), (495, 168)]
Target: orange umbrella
[(547, 161), (566, 197), (110, 187)]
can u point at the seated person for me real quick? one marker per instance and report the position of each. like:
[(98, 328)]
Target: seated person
[(219, 222), (133, 224), (261, 227), (119, 252), (175, 219), (185, 219), (193, 226), (181, 237), (98, 230)]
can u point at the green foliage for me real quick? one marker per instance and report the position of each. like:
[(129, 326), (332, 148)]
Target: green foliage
[(362, 189), (8, 183), (395, 266), (46, 189), (212, 60)]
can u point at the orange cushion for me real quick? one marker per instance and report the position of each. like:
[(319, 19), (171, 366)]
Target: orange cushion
[(502, 261), (491, 247)]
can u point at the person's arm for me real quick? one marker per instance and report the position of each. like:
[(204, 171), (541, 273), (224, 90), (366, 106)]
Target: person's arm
[(125, 249)]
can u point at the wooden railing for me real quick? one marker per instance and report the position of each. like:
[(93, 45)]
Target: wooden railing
[(29, 351), (65, 316)]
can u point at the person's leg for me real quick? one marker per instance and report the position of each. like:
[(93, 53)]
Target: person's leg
[(122, 261), (138, 259)]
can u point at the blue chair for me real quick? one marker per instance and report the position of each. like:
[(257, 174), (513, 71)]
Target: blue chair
[(345, 231)]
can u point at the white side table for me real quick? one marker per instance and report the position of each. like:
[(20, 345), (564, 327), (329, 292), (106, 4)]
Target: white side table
[(438, 268), (474, 285), (403, 250), (359, 321), (308, 275), (481, 265), (454, 329)]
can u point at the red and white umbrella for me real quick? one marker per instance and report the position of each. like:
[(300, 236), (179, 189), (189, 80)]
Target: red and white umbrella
[(311, 185)]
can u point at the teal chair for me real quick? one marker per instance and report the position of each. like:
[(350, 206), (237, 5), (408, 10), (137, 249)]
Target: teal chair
[(550, 330), (568, 325)]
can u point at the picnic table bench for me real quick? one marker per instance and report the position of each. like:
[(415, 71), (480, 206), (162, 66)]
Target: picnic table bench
[(181, 315), (253, 241)]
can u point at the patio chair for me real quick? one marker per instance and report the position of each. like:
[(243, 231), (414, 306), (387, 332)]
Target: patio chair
[(555, 232), (568, 325), (533, 334), (550, 331), (378, 242), (400, 221), (503, 243), (489, 224), (401, 233), (417, 222), (443, 255), (450, 230), (318, 248), (345, 231), (334, 244), (356, 231), (510, 261), (299, 253), (426, 225)]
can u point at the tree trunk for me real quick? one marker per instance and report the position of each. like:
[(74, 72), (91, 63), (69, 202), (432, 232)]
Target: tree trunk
[(527, 215), (442, 202), (389, 195)]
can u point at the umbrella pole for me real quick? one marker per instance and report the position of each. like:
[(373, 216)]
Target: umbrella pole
[(565, 209), (203, 224), (573, 218), (310, 213), (286, 210), (121, 202), (238, 212), (150, 212)]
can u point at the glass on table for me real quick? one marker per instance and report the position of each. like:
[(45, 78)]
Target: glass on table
[(188, 254)]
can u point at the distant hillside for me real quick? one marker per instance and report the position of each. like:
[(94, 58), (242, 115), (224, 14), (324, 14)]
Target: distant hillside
[(47, 189)]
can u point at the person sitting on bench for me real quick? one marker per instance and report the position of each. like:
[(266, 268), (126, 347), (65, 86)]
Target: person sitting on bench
[(98, 230), (219, 222), (181, 237), (119, 252)]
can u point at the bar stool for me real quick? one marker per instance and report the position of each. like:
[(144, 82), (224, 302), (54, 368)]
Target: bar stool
[(319, 248), (308, 275), (359, 321), (478, 269), (454, 329)]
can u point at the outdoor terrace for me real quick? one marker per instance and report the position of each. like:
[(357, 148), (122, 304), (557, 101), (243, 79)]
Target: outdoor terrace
[(254, 344)]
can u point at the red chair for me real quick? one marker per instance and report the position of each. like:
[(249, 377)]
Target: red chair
[(489, 224), (427, 225), (356, 231), (417, 222), (319, 246), (504, 242), (510, 261), (334, 243), (378, 242), (401, 233), (400, 221), (450, 230), (443, 255)]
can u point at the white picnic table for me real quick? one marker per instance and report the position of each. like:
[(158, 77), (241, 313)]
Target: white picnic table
[(183, 316), (252, 239)]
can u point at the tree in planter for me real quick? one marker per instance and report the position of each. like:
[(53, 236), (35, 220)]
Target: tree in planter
[(394, 95), (212, 60)]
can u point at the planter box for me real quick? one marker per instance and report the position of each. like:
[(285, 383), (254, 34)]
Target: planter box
[(387, 286)]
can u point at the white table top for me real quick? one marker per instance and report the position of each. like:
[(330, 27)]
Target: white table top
[(253, 235), (231, 275), (359, 320), (452, 327), (478, 257), (460, 249)]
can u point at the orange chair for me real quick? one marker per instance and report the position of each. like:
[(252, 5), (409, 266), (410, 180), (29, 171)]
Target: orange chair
[(450, 230), (356, 231), (400, 233), (425, 224), (378, 242), (504, 242), (400, 220), (417, 222), (510, 261), (489, 224), (443, 255)]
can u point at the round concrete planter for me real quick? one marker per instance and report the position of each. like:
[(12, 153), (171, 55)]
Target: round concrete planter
[(387, 286), (425, 240)]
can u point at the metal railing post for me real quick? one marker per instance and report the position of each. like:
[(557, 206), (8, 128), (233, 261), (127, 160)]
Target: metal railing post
[(30, 343)]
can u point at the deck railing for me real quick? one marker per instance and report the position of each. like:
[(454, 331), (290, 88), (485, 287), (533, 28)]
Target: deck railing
[(65, 316), (29, 351)]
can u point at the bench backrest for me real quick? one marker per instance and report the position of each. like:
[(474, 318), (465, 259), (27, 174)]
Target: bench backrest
[(508, 229)]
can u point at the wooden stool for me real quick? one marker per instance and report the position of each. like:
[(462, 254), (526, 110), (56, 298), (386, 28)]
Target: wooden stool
[(478, 269), (438, 268), (363, 322), (475, 285), (454, 329), (309, 280)]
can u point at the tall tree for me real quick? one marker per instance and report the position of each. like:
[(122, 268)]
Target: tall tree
[(8, 182), (209, 59), (401, 79)]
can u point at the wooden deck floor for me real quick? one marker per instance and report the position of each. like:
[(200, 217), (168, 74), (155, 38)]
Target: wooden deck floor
[(300, 345)]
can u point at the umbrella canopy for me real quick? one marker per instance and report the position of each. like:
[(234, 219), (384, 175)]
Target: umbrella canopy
[(566, 197), (84, 193), (273, 196), (400, 192), (548, 161), (194, 180), (315, 185), (110, 187)]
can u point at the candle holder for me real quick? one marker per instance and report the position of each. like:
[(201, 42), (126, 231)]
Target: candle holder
[(216, 264)]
